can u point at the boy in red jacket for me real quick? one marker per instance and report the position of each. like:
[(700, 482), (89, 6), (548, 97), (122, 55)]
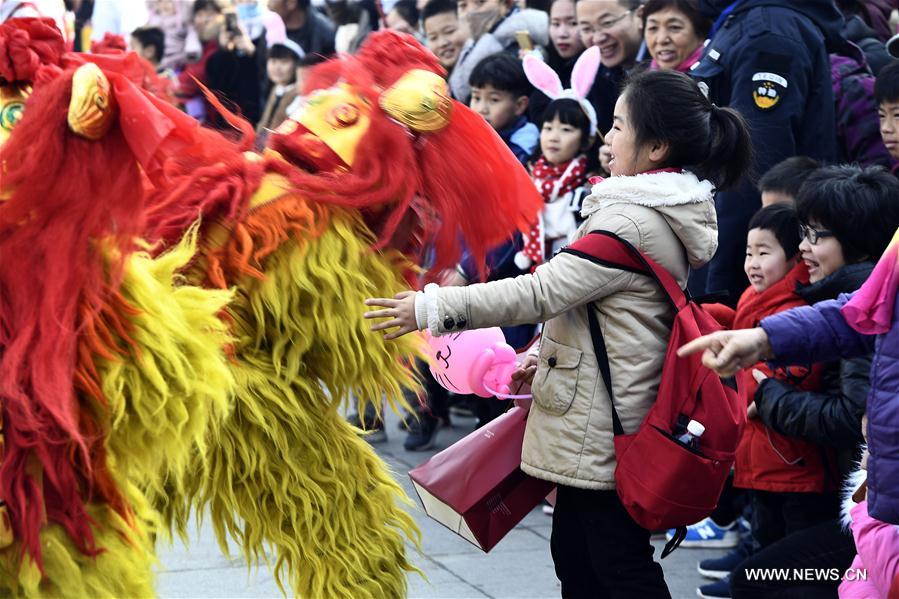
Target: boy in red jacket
[(792, 488)]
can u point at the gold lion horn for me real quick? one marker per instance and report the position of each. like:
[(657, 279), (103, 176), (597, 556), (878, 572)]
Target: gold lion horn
[(420, 100), (91, 109)]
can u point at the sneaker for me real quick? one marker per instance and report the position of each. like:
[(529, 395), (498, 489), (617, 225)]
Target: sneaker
[(707, 534), (715, 590), (718, 568), (373, 431), (422, 433), (548, 509)]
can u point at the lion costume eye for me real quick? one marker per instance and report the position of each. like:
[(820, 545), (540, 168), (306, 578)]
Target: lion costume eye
[(11, 114), (12, 107), (343, 115)]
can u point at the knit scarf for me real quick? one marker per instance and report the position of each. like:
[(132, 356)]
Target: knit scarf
[(553, 181), (556, 180)]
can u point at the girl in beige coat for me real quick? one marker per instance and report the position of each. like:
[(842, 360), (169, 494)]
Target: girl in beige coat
[(663, 125)]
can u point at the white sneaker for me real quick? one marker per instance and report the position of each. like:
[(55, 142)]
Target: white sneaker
[(707, 534)]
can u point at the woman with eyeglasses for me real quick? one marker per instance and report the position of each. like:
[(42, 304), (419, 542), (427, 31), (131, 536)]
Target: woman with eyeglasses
[(848, 217)]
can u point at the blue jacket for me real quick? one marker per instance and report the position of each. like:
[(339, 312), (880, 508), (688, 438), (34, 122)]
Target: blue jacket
[(522, 137), (819, 333), (769, 60)]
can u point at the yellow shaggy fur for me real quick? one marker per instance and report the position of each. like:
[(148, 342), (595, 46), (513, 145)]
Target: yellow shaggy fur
[(288, 479), (162, 400), (122, 569)]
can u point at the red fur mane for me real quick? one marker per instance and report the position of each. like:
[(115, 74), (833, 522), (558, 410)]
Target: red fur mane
[(74, 211), (395, 171)]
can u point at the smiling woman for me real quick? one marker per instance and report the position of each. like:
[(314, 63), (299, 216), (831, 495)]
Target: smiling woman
[(674, 31), (563, 31)]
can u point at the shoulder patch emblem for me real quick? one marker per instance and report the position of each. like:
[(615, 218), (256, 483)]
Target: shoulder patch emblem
[(768, 90)]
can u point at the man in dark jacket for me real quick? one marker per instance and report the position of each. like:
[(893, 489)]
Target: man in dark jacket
[(769, 60), (313, 31)]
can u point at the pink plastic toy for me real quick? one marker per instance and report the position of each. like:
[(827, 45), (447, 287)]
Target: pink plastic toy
[(477, 361)]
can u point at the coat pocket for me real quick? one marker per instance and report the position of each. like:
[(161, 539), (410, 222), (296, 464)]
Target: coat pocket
[(555, 383)]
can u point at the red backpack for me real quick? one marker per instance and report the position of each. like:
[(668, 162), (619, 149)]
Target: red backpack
[(662, 482)]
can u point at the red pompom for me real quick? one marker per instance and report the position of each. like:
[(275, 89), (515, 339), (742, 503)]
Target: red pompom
[(110, 44), (26, 45)]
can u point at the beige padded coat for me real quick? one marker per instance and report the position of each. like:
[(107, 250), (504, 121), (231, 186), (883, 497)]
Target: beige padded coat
[(670, 217)]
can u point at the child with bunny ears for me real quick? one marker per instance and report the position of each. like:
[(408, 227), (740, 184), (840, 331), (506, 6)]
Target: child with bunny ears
[(671, 149), (567, 136)]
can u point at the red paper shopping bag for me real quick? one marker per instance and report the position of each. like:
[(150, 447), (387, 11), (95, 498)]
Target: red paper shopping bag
[(476, 487)]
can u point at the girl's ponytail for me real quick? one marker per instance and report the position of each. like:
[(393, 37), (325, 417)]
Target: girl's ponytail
[(730, 149), (667, 106)]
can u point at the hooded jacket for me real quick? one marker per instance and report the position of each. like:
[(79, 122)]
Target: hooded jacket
[(670, 217), (768, 60), (876, 544), (857, 124)]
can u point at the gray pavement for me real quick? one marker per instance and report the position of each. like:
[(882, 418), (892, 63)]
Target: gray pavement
[(519, 567)]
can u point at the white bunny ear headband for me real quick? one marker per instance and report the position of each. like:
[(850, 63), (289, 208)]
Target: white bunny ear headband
[(547, 80)]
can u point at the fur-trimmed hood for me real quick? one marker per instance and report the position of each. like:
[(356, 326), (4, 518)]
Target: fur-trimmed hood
[(686, 202)]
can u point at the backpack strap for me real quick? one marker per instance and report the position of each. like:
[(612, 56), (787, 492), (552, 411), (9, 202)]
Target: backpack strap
[(608, 249), (602, 357), (680, 533)]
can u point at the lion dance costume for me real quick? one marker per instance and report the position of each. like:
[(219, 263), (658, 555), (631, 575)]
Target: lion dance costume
[(378, 165), (110, 369)]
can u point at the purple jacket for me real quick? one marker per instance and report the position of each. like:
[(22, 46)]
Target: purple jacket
[(819, 333), (858, 130)]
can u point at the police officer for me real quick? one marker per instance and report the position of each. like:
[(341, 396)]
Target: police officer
[(769, 60)]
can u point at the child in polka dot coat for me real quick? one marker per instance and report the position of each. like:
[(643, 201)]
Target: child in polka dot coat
[(567, 142)]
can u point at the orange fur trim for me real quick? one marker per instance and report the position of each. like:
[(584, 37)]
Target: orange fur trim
[(261, 233)]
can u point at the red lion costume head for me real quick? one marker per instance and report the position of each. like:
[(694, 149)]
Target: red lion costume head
[(378, 133)]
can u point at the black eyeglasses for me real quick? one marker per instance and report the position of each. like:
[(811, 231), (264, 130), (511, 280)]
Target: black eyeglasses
[(813, 235), (603, 25)]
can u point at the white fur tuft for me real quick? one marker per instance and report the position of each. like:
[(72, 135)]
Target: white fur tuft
[(852, 482)]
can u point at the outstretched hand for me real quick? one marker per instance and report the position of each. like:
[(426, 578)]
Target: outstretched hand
[(400, 311), (727, 352)]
